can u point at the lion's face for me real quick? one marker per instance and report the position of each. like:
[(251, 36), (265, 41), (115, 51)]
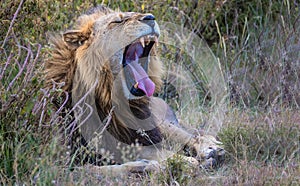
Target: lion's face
[(122, 40)]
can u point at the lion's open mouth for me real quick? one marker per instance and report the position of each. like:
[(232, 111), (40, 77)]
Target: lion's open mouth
[(135, 62)]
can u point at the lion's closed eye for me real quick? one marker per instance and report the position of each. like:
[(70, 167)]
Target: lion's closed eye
[(116, 22), (121, 19)]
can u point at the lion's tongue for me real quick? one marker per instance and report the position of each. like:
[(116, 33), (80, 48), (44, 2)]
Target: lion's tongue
[(133, 55), (142, 78)]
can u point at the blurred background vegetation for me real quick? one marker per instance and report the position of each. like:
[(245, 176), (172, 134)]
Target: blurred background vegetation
[(256, 41)]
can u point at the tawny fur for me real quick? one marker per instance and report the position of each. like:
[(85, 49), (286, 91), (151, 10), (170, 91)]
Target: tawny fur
[(91, 52)]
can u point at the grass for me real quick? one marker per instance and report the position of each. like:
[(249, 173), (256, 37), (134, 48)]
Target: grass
[(256, 43)]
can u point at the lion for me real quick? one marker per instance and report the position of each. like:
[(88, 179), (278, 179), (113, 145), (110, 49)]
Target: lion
[(109, 68)]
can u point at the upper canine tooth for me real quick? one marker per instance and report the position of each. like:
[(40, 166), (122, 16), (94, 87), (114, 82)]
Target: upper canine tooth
[(136, 85), (142, 40)]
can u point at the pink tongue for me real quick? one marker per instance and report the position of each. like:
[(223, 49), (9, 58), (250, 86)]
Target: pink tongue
[(147, 86), (140, 76)]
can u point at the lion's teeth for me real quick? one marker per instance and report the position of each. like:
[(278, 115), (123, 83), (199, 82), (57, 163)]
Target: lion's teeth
[(142, 40), (147, 39), (156, 40), (136, 86)]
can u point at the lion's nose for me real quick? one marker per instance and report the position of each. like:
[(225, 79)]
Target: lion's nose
[(148, 19)]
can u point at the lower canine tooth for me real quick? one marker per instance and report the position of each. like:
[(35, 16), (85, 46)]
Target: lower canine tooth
[(142, 40), (136, 85), (156, 40)]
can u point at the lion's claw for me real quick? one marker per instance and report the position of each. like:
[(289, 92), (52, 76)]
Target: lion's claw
[(214, 158), (209, 151)]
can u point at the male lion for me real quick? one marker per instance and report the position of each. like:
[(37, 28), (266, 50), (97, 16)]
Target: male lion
[(110, 70)]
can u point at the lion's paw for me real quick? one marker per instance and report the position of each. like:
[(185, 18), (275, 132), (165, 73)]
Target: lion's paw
[(210, 152)]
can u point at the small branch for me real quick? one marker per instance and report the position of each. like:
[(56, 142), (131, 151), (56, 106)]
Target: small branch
[(64, 103), (12, 23), (6, 64), (73, 126), (21, 70), (81, 100), (107, 120), (31, 66)]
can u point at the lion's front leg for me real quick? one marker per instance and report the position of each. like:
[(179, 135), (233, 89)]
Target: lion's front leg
[(205, 148), (140, 166)]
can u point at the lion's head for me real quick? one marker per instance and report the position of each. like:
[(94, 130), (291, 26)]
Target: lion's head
[(106, 47), (101, 44)]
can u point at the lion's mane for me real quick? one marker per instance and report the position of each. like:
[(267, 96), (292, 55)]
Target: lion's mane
[(75, 54)]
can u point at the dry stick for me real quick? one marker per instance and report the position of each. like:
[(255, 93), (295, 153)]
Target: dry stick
[(31, 65), (43, 111), (12, 23), (6, 65), (64, 103), (77, 105), (19, 49), (108, 120), (89, 115), (83, 98), (29, 53), (12, 98), (73, 127)]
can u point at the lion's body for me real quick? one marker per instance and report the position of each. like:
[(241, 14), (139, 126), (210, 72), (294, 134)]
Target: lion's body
[(88, 60)]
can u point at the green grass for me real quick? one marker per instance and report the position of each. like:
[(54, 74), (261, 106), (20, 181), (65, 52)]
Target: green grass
[(256, 43)]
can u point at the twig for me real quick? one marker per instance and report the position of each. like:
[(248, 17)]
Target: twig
[(73, 126), (77, 106), (107, 120), (29, 53), (6, 65), (12, 23), (85, 96), (64, 103)]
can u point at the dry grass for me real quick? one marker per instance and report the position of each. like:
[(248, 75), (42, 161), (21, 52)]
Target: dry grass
[(257, 45)]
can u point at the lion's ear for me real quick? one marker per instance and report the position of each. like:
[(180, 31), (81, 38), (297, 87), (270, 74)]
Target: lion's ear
[(75, 38)]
